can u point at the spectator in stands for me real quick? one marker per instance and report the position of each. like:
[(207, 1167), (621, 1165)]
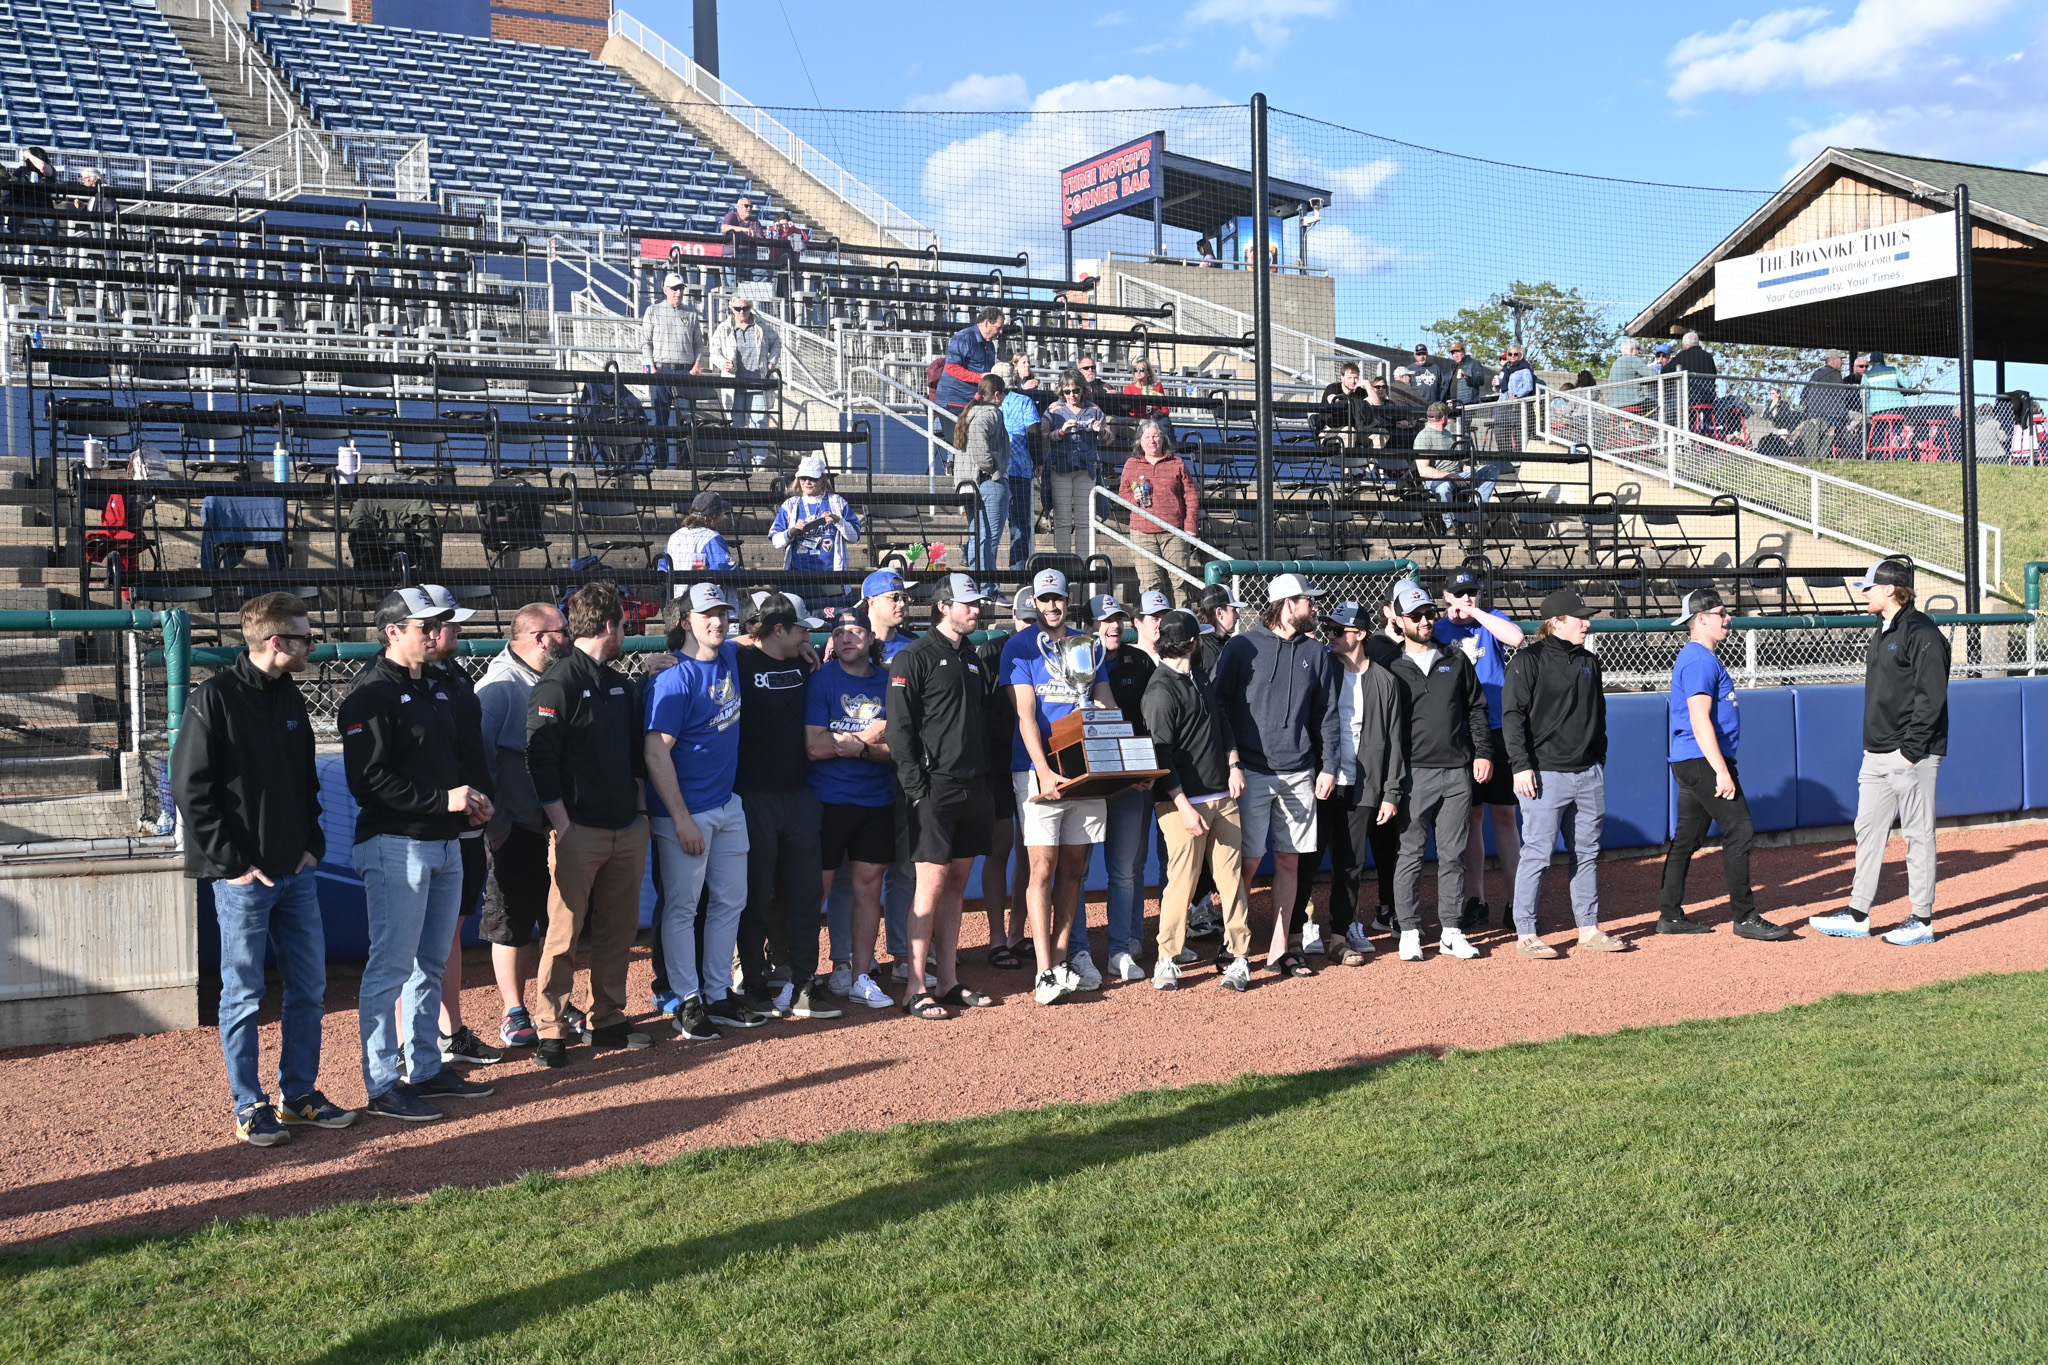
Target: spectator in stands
[(1626, 390), (1074, 427), (846, 737), (247, 791), (1205, 255), (1096, 390), (1515, 380), (813, 528), (516, 896), (1127, 813), (1159, 481), (984, 446), (588, 760), (1429, 378), (1554, 721), (700, 829), (458, 1042), (970, 355), (1025, 427), (744, 349), (1698, 364), (1826, 398), (1484, 637), (1145, 380), (671, 342), (1442, 479), (699, 543), (785, 230), (742, 227), (1468, 377), (404, 766), (1884, 388), (30, 186)]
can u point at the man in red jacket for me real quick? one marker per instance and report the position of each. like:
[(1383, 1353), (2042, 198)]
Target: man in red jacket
[(1159, 481)]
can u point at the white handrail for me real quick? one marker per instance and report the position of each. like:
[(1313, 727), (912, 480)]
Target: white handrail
[(238, 50), (864, 199), (1097, 490)]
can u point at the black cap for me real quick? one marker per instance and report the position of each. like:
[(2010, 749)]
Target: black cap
[(1565, 602), (1177, 629), (708, 503), (1897, 573), (1217, 595), (1462, 580)]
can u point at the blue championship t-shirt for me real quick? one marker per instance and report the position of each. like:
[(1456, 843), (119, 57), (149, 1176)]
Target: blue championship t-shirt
[(1486, 659), (1024, 662), (1699, 674), (698, 702), (847, 705)]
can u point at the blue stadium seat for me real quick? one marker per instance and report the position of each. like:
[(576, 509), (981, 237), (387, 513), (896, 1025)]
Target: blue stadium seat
[(103, 75)]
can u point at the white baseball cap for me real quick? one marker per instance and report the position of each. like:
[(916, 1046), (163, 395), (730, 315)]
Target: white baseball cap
[(672, 281), (444, 600), (1410, 596), (1049, 583), (812, 467), (1154, 602), (1288, 585)]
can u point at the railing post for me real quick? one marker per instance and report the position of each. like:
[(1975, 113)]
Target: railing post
[(1813, 515), (1749, 656), (177, 672)]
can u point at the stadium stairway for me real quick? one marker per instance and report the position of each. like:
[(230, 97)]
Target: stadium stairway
[(244, 111)]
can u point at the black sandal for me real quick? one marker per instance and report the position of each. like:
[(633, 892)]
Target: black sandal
[(1005, 957), (1290, 964), (923, 1006), (963, 998)]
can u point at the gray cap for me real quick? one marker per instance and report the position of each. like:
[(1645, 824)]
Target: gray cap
[(407, 604), (960, 587), (445, 601), (1023, 608), (1154, 602), (1049, 583), (1897, 573), (709, 597), (709, 504), (1103, 605), (1348, 615), (1219, 595), (1697, 601), (783, 608), (1410, 597)]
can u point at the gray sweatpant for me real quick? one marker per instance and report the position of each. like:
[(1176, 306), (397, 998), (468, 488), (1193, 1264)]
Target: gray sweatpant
[(1440, 798), (1888, 788), (1585, 794)]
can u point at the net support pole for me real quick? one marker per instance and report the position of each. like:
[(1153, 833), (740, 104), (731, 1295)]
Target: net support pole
[(1966, 364), (1262, 323), (177, 629)]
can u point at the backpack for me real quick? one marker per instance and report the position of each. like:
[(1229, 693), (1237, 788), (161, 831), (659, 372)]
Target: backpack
[(382, 528), (512, 523), (934, 370)]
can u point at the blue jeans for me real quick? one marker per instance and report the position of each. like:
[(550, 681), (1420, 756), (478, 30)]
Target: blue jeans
[(412, 889), (1020, 520), (749, 409), (288, 915), (670, 407), (723, 865), (986, 536), (1585, 795), (1124, 845)]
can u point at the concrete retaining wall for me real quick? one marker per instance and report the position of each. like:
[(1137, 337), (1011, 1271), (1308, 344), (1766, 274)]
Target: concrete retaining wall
[(90, 947)]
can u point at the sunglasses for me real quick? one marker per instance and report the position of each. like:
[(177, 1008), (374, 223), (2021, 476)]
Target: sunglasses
[(297, 639), (1423, 614), (1468, 592)]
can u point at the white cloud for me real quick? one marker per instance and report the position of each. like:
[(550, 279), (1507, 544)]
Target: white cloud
[(1880, 40), (1268, 20), (1112, 19), (976, 92)]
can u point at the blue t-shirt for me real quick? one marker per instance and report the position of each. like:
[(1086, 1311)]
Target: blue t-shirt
[(1024, 662), (846, 705), (699, 703), (895, 645), (1699, 674), (1491, 667), (1020, 414)]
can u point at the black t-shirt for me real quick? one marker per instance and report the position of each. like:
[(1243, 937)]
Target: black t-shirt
[(1130, 669), (772, 693)]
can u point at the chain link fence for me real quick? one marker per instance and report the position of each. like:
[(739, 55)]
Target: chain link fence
[(1370, 583)]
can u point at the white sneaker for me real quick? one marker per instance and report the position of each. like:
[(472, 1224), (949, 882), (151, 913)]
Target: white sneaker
[(900, 973), (1455, 944), (1184, 957), (1086, 978), (1051, 986), (1238, 975), (784, 999), (868, 993), (1069, 979), (1358, 939), (1165, 976), (1312, 937), (841, 982), (1411, 945), (1124, 967)]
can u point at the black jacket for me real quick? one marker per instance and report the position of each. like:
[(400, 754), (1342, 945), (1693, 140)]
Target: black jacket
[(1191, 735), (399, 746), (469, 724), (1130, 673), (1380, 735), (244, 778), (1446, 710), (938, 693), (1553, 710), (584, 742), (1905, 688)]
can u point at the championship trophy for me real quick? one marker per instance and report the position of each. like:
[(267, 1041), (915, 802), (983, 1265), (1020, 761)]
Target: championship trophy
[(1093, 748)]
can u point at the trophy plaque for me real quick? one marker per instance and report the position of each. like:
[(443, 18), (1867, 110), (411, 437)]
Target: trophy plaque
[(1095, 748)]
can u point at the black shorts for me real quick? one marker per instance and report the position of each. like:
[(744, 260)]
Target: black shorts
[(516, 896), (1002, 797), (954, 820), (475, 861), (866, 834), (1498, 790)]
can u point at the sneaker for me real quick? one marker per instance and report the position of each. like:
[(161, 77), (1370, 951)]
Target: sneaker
[(1166, 976), (813, 1002), (1411, 945), (732, 1012), (445, 1084), (552, 1052), (840, 983), (1051, 986), (1474, 915), (258, 1126), (619, 1038), (314, 1110), (1763, 930), (401, 1101), (1086, 978), (1679, 924), (784, 1001), (1531, 946), (516, 1029), (1312, 938), (577, 1022), (1124, 967), (1238, 975), (1842, 924), (666, 1004), (1185, 956), (1382, 920), (693, 1025), (868, 993), (899, 972), (465, 1047), (1455, 944), (1359, 940), (1914, 932)]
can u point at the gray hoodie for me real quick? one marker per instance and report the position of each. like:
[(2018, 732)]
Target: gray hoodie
[(502, 694), (1281, 697)]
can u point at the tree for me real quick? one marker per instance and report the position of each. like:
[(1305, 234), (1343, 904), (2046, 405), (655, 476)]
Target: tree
[(1561, 328)]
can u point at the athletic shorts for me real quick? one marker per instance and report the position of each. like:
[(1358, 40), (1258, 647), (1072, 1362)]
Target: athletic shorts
[(1002, 797), (1498, 790), (516, 894), (953, 821), (1282, 805), (866, 834), (1056, 824), (476, 861)]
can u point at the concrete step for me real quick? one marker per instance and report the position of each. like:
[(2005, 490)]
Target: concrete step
[(22, 598), (24, 556), (58, 774), (101, 735), (109, 815), (32, 709), (19, 652)]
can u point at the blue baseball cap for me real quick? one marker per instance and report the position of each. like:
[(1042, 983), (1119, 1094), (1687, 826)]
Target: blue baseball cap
[(881, 581), (1349, 616)]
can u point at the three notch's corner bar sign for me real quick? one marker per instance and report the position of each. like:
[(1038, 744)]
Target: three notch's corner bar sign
[(1910, 252), (668, 249), (1112, 182)]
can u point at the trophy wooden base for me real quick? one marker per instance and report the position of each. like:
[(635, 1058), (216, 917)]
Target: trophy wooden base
[(1099, 753)]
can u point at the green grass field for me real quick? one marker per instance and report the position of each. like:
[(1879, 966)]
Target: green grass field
[(2010, 497), (1859, 1180)]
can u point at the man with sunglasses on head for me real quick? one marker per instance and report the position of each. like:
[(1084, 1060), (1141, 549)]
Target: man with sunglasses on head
[(1705, 726), (249, 800), (1483, 637), (671, 344), (744, 348)]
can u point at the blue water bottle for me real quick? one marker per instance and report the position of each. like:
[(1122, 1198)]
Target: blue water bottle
[(280, 464)]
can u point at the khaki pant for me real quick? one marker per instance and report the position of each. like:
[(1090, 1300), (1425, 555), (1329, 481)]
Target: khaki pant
[(594, 875), (1222, 848), (1889, 788), (1154, 577)]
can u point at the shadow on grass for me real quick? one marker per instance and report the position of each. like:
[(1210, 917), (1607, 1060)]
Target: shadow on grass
[(952, 1173)]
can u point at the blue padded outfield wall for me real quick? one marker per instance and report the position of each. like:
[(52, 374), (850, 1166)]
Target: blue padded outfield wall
[(1800, 749)]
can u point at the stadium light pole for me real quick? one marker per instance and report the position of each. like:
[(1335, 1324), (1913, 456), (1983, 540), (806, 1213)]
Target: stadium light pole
[(1966, 363), (704, 34), (1262, 323)]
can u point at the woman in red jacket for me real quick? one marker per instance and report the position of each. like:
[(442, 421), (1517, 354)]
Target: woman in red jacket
[(1160, 482)]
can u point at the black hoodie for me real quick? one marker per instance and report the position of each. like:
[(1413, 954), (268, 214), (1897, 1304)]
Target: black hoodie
[(1553, 709), (1446, 708), (1905, 688), (244, 778), (400, 747)]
